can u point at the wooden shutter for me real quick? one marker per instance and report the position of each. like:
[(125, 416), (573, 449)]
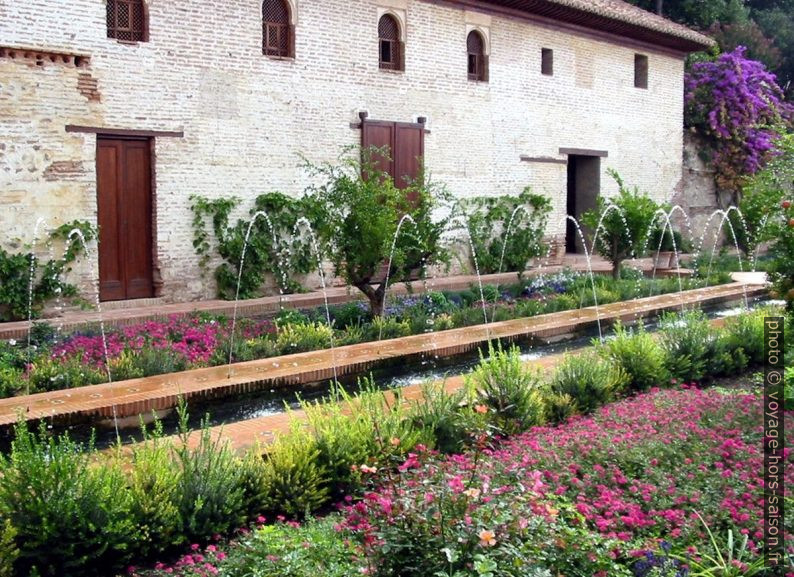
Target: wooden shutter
[(405, 145), (409, 153), (379, 135)]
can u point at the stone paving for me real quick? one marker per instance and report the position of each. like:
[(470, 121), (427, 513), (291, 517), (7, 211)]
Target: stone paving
[(142, 396)]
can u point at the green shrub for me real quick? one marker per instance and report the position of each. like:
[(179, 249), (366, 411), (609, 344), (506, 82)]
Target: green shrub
[(9, 552), (468, 316), (388, 328), (447, 418), (563, 302), (55, 374), (210, 494), (560, 407), (154, 484), (490, 293), (352, 335), (47, 281), (293, 481), (686, 341), (253, 349), (290, 316), (11, 381), (314, 549), (350, 314), (298, 338), (625, 231), (71, 518), (639, 355), (154, 361), (252, 480), (529, 308), (124, 366), (588, 381), (511, 392), (489, 218), (725, 357), (350, 432), (746, 331)]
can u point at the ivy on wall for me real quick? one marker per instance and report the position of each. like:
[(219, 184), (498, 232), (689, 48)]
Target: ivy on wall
[(489, 217), (275, 248), (16, 270)]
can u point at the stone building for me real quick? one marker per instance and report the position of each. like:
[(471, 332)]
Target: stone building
[(116, 111)]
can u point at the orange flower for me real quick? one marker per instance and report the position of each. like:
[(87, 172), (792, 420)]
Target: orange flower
[(482, 409), (487, 538)]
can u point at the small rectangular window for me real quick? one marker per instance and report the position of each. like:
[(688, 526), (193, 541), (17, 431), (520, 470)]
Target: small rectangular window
[(640, 71), (547, 62)]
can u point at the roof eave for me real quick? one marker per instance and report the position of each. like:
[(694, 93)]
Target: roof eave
[(686, 43)]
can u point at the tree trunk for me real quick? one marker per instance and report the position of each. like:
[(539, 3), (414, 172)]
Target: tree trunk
[(660, 7), (616, 260), (616, 270), (375, 297)]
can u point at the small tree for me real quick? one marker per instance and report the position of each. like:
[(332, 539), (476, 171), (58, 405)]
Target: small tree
[(624, 230), (761, 198), (359, 211)]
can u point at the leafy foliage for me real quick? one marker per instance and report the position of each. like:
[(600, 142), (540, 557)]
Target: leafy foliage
[(489, 217), (359, 210), (638, 354), (736, 103), (588, 381), (624, 231), (510, 391), (274, 246), (71, 518), (294, 482), (47, 279)]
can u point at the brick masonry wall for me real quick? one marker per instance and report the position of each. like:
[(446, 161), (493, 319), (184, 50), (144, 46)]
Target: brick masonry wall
[(246, 117)]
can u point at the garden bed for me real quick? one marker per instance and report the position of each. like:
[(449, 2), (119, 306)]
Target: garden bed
[(637, 486), (57, 362)]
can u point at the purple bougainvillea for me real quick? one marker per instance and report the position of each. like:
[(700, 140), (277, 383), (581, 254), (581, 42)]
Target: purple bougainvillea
[(739, 105)]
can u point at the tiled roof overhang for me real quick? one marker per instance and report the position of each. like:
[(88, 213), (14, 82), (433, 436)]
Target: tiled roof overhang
[(606, 16)]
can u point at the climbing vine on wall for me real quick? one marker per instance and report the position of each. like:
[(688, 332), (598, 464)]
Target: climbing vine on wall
[(277, 245), (16, 270), (489, 218)]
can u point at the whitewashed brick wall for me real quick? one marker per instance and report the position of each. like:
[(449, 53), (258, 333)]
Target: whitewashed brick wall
[(246, 118)]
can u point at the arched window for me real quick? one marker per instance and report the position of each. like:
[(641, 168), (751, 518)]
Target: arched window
[(126, 20), (278, 35), (392, 49), (478, 60)]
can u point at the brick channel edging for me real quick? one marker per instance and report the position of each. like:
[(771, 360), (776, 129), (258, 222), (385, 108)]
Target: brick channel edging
[(260, 432), (139, 396)]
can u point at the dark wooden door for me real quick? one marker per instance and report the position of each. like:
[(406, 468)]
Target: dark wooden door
[(403, 142), (124, 205)]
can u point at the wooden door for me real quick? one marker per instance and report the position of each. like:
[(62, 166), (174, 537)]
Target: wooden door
[(124, 206), (404, 144)]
